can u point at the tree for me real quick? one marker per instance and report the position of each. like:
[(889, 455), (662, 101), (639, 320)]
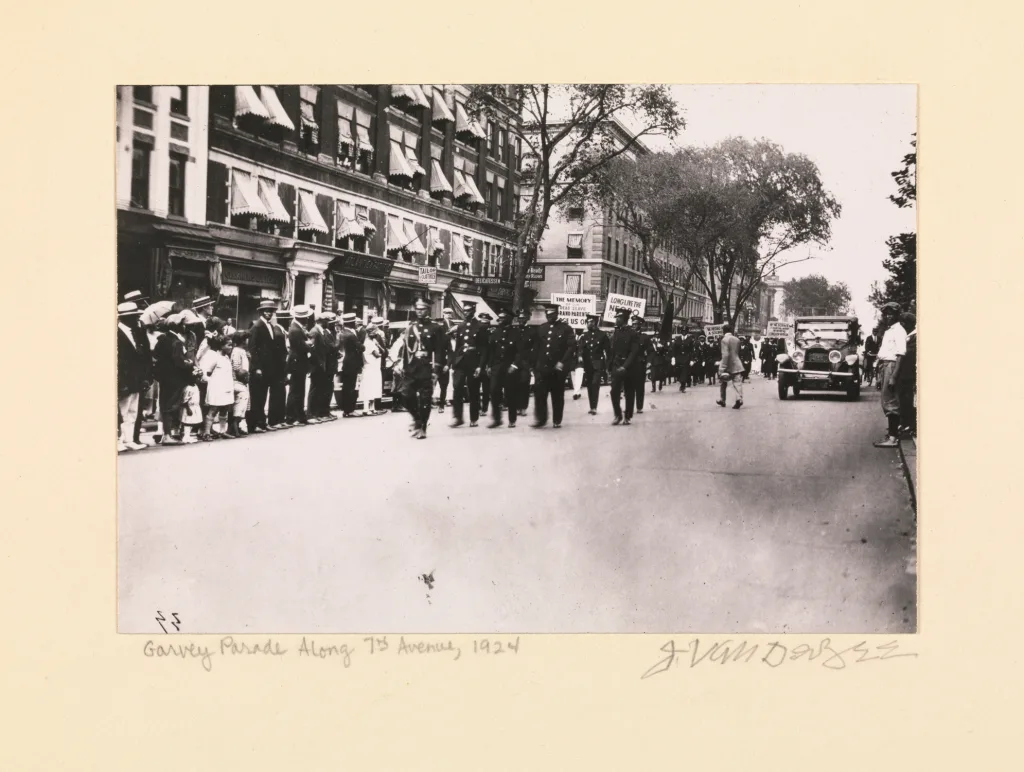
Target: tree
[(901, 285), (569, 132), (815, 295), (744, 206)]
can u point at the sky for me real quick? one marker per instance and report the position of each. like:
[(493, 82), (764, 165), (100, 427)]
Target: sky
[(857, 136)]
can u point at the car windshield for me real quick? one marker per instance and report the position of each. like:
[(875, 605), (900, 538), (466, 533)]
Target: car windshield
[(828, 334)]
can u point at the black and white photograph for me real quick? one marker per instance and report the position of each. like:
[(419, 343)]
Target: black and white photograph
[(516, 358)]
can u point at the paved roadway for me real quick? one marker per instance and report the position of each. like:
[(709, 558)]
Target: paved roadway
[(780, 517)]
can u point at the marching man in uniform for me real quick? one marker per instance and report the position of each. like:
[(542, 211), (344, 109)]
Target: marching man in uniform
[(423, 351), (625, 355), (503, 363), (465, 360), (595, 348), (555, 348)]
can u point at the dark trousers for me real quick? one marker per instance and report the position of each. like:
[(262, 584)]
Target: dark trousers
[(552, 383), (295, 410), (504, 389), (259, 388), (683, 373), (908, 411), (627, 382), (485, 395), (349, 393), (417, 395), (593, 380), (639, 388), (746, 370), (321, 385), (524, 389), (461, 383), (442, 386)]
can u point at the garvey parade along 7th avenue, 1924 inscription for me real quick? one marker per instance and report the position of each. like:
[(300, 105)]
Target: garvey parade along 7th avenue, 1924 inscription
[(343, 653)]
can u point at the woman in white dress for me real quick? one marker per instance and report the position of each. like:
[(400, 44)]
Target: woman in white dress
[(371, 381), (756, 342)]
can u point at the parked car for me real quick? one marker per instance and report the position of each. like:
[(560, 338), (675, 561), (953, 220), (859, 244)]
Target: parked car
[(822, 357)]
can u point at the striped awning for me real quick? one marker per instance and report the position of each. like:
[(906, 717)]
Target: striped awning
[(278, 115), (399, 165), (363, 131), (459, 254), (434, 244), (462, 189), (396, 236), (414, 245), (476, 197), (575, 241), (272, 202), (410, 156), (463, 124), (363, 217), (310, 218), (441, 113), (438, 182), (247, 103), (245, 198), (412, 93), (348, 226), (421, 97)]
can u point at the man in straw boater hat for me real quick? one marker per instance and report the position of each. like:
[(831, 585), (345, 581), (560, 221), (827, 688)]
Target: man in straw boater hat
[(133, 365), (423, 352), (555, 351), (624, 363), (298, 364), (142, 338), (351, 349), (267, 356)]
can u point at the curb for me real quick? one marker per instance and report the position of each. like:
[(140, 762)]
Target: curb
[(908, 460)]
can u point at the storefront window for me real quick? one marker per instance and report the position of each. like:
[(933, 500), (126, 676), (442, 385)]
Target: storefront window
[(190, 280)]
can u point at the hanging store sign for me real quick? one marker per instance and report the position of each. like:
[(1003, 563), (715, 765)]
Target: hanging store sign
[(232, 273), (535, 273), (363, 265), (427, 274)]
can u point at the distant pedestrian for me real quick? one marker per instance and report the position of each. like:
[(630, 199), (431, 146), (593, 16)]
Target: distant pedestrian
[(871, 345), (730, 367), (890, 356), (757, 345)]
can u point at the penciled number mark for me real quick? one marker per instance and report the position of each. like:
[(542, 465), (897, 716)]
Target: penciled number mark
[(174, 621)]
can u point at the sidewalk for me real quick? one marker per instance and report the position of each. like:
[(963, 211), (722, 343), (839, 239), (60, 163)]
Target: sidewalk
[(908, 455)]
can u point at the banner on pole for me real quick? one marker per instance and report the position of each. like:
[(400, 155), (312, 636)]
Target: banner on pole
[(779, 330), (574, 308), (713, 330), (614, 302)]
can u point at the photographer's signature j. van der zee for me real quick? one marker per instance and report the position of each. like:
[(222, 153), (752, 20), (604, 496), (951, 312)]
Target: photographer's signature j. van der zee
[(774, 654)]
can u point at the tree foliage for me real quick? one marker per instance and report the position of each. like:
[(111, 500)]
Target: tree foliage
[(901, 265), (569, 133), (814, 294)]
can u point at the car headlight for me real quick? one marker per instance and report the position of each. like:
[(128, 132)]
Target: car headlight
[(851, 360), (798, 356), (835, 357)]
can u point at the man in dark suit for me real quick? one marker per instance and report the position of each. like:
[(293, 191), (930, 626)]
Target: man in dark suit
[(267, 357), (503, 360), (555, 352), (133, 365), (682, 353), (595, 349), (423, 352), (486, 321), (319, 384), (351, 350), (465, 360), (746, 356), (298, 364), (527, 341), (174, 370), (624, 366), (142, 338), (447, 324)]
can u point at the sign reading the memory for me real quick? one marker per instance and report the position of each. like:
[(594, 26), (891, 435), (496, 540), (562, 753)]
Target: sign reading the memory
[(615, 302), (779, 330), (713, 330), (574, 308)]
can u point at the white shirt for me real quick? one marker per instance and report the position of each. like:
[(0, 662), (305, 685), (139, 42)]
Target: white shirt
[(894, 344)]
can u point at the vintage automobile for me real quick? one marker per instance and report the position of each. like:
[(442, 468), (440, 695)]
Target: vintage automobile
[(821, 357)]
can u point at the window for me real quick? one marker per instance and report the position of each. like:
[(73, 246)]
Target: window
[(364, 143), (499, 196), (140, 176), (519, 154), (502, 146), (143, 94), (346, 152), (609, 255), (604, 284), (617, 252), (176, 185), (575, 213), (179, 100), (309, 133), (573, 283)]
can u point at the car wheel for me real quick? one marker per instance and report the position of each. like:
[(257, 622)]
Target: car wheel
[(783, 388), (796, 390)]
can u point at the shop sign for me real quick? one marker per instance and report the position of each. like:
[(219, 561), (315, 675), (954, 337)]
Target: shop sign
[(499, 292), (231, 273), (464, 286), (191, 254), (535, 273), (428, 274), (573, 309), (779, 330), (366, 265), (614, 302)]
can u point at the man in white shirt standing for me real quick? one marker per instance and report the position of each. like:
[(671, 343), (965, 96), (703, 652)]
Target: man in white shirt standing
[(890, 355)]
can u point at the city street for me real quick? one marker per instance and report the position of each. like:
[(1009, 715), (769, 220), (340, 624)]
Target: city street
[(779, 517)]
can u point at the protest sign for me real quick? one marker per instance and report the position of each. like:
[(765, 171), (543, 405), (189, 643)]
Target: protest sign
[(713, 330), (574, 308), (614, 302), (779, 330)]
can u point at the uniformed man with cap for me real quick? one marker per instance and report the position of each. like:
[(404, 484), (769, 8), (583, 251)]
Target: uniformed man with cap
[(502, 363), (555, 350), (640, 368), (527, 340), (448, 325), (595, 348), (299, 348), (423, 352), (465, 359), (486, 321), (624, 365)]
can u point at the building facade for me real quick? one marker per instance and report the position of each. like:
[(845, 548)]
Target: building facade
[(587, 252), (346, 198)]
